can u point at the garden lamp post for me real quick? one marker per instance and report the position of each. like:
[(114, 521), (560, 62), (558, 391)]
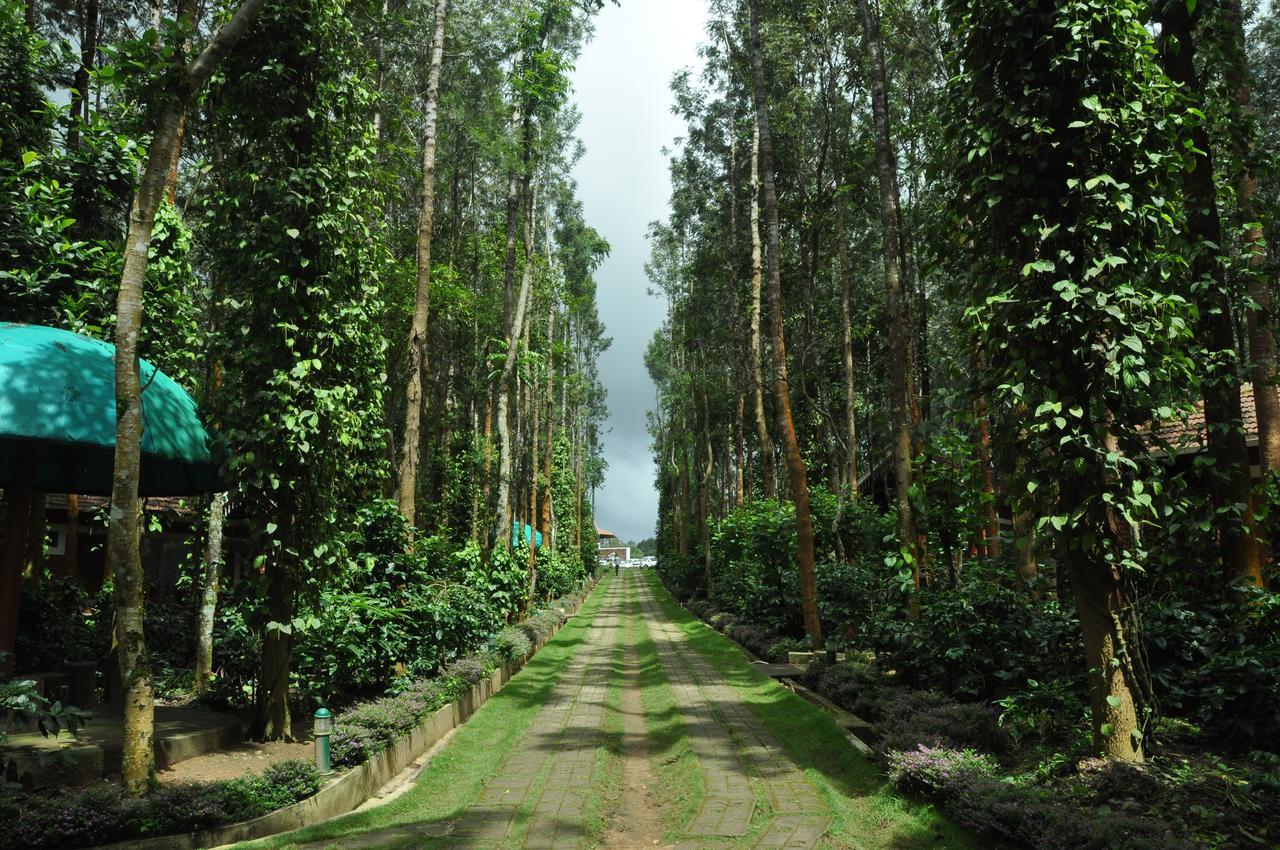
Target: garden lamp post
[(323, 728)]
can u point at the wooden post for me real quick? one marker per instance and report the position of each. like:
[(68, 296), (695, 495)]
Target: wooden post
[(18, 496)]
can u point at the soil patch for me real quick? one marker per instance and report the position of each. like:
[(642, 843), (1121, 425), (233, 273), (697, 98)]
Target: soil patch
[(242, 760), (636, 821)]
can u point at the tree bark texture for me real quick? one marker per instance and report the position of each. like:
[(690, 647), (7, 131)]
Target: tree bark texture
[(796, 469), (123, 554), (209, 593), (846, 338), (900, 366), (768, 480), (407, 488), (1261, 319)]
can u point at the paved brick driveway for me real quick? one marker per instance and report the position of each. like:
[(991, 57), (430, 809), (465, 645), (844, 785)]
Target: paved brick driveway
[(555, 767)]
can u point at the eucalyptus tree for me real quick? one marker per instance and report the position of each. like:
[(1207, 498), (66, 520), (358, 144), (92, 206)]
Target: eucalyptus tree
[(795, 463), (179, 79), (407, 488), (1064, 208), (1218, 300), (900, 347), (290, 124)]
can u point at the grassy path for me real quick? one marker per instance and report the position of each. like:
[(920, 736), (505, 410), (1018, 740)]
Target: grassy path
[(639, 726)]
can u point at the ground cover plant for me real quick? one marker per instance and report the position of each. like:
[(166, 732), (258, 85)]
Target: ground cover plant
[(104, 814)]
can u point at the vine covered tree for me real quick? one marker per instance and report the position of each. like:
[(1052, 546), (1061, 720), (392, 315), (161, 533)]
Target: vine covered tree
[(1065, 203)]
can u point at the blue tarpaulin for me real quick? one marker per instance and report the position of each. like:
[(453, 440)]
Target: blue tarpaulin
[(523, 532)]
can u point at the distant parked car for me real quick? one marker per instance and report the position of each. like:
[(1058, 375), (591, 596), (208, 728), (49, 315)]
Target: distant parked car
[(650, 561)]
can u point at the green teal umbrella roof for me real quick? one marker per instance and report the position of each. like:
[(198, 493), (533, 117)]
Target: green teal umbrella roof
[(57, 401)]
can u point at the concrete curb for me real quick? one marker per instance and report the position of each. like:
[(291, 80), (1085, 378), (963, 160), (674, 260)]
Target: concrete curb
[(346, 791)]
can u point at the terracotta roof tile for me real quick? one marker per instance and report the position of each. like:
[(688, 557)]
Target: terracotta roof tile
[(1189, 435)]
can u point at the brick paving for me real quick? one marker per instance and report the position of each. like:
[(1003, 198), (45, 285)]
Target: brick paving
[(541, 796), (736, 754)]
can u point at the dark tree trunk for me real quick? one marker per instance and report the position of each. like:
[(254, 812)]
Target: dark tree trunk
[(900, 366), (1223, 420)]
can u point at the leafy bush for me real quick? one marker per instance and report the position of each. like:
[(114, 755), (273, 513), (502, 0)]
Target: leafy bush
[(511, 643), (1025, 815), (779, 651), (980, 641), (102, 814), (1043, 712), (58, 625), (559, 574), (1219, 669)]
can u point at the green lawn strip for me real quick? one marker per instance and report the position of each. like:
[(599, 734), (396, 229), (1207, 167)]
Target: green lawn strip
[(674, 764), (456, 775), (866, 812)]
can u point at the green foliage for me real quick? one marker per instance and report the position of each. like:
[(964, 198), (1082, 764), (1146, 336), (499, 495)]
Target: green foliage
[(297, 293), (102, 814), (1065, 214)]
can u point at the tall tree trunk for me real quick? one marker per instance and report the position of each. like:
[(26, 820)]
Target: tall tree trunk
[(37, 530), (272, 721), (739, 452), (1223, 420), (17, 496), (548, 460), (71, 560), (846, 336), (407, 489), (209, 594), (782, 396), (1104, 605), (990, 518), (769, 484), (503, 513), (124, 558), (900, 366)]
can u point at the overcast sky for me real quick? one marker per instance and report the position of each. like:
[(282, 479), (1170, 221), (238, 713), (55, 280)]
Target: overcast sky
[(621, 86)]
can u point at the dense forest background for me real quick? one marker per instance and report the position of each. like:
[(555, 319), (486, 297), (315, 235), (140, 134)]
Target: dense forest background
[(969, 371), (364, 257)]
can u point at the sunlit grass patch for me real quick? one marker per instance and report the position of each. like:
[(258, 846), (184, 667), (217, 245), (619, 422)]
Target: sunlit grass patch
[(866, 813)]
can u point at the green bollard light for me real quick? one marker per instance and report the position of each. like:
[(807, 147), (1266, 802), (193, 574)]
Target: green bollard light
[(324, 725)]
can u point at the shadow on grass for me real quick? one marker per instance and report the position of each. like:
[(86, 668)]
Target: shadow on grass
[(814, 743)]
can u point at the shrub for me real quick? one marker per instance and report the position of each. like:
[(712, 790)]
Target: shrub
[(980, 641), (102, 814), (779, 651), (911, 719), (286, 782), (930, 770), (511, 643), (55, 628), (559, 573), (1025, 815)]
